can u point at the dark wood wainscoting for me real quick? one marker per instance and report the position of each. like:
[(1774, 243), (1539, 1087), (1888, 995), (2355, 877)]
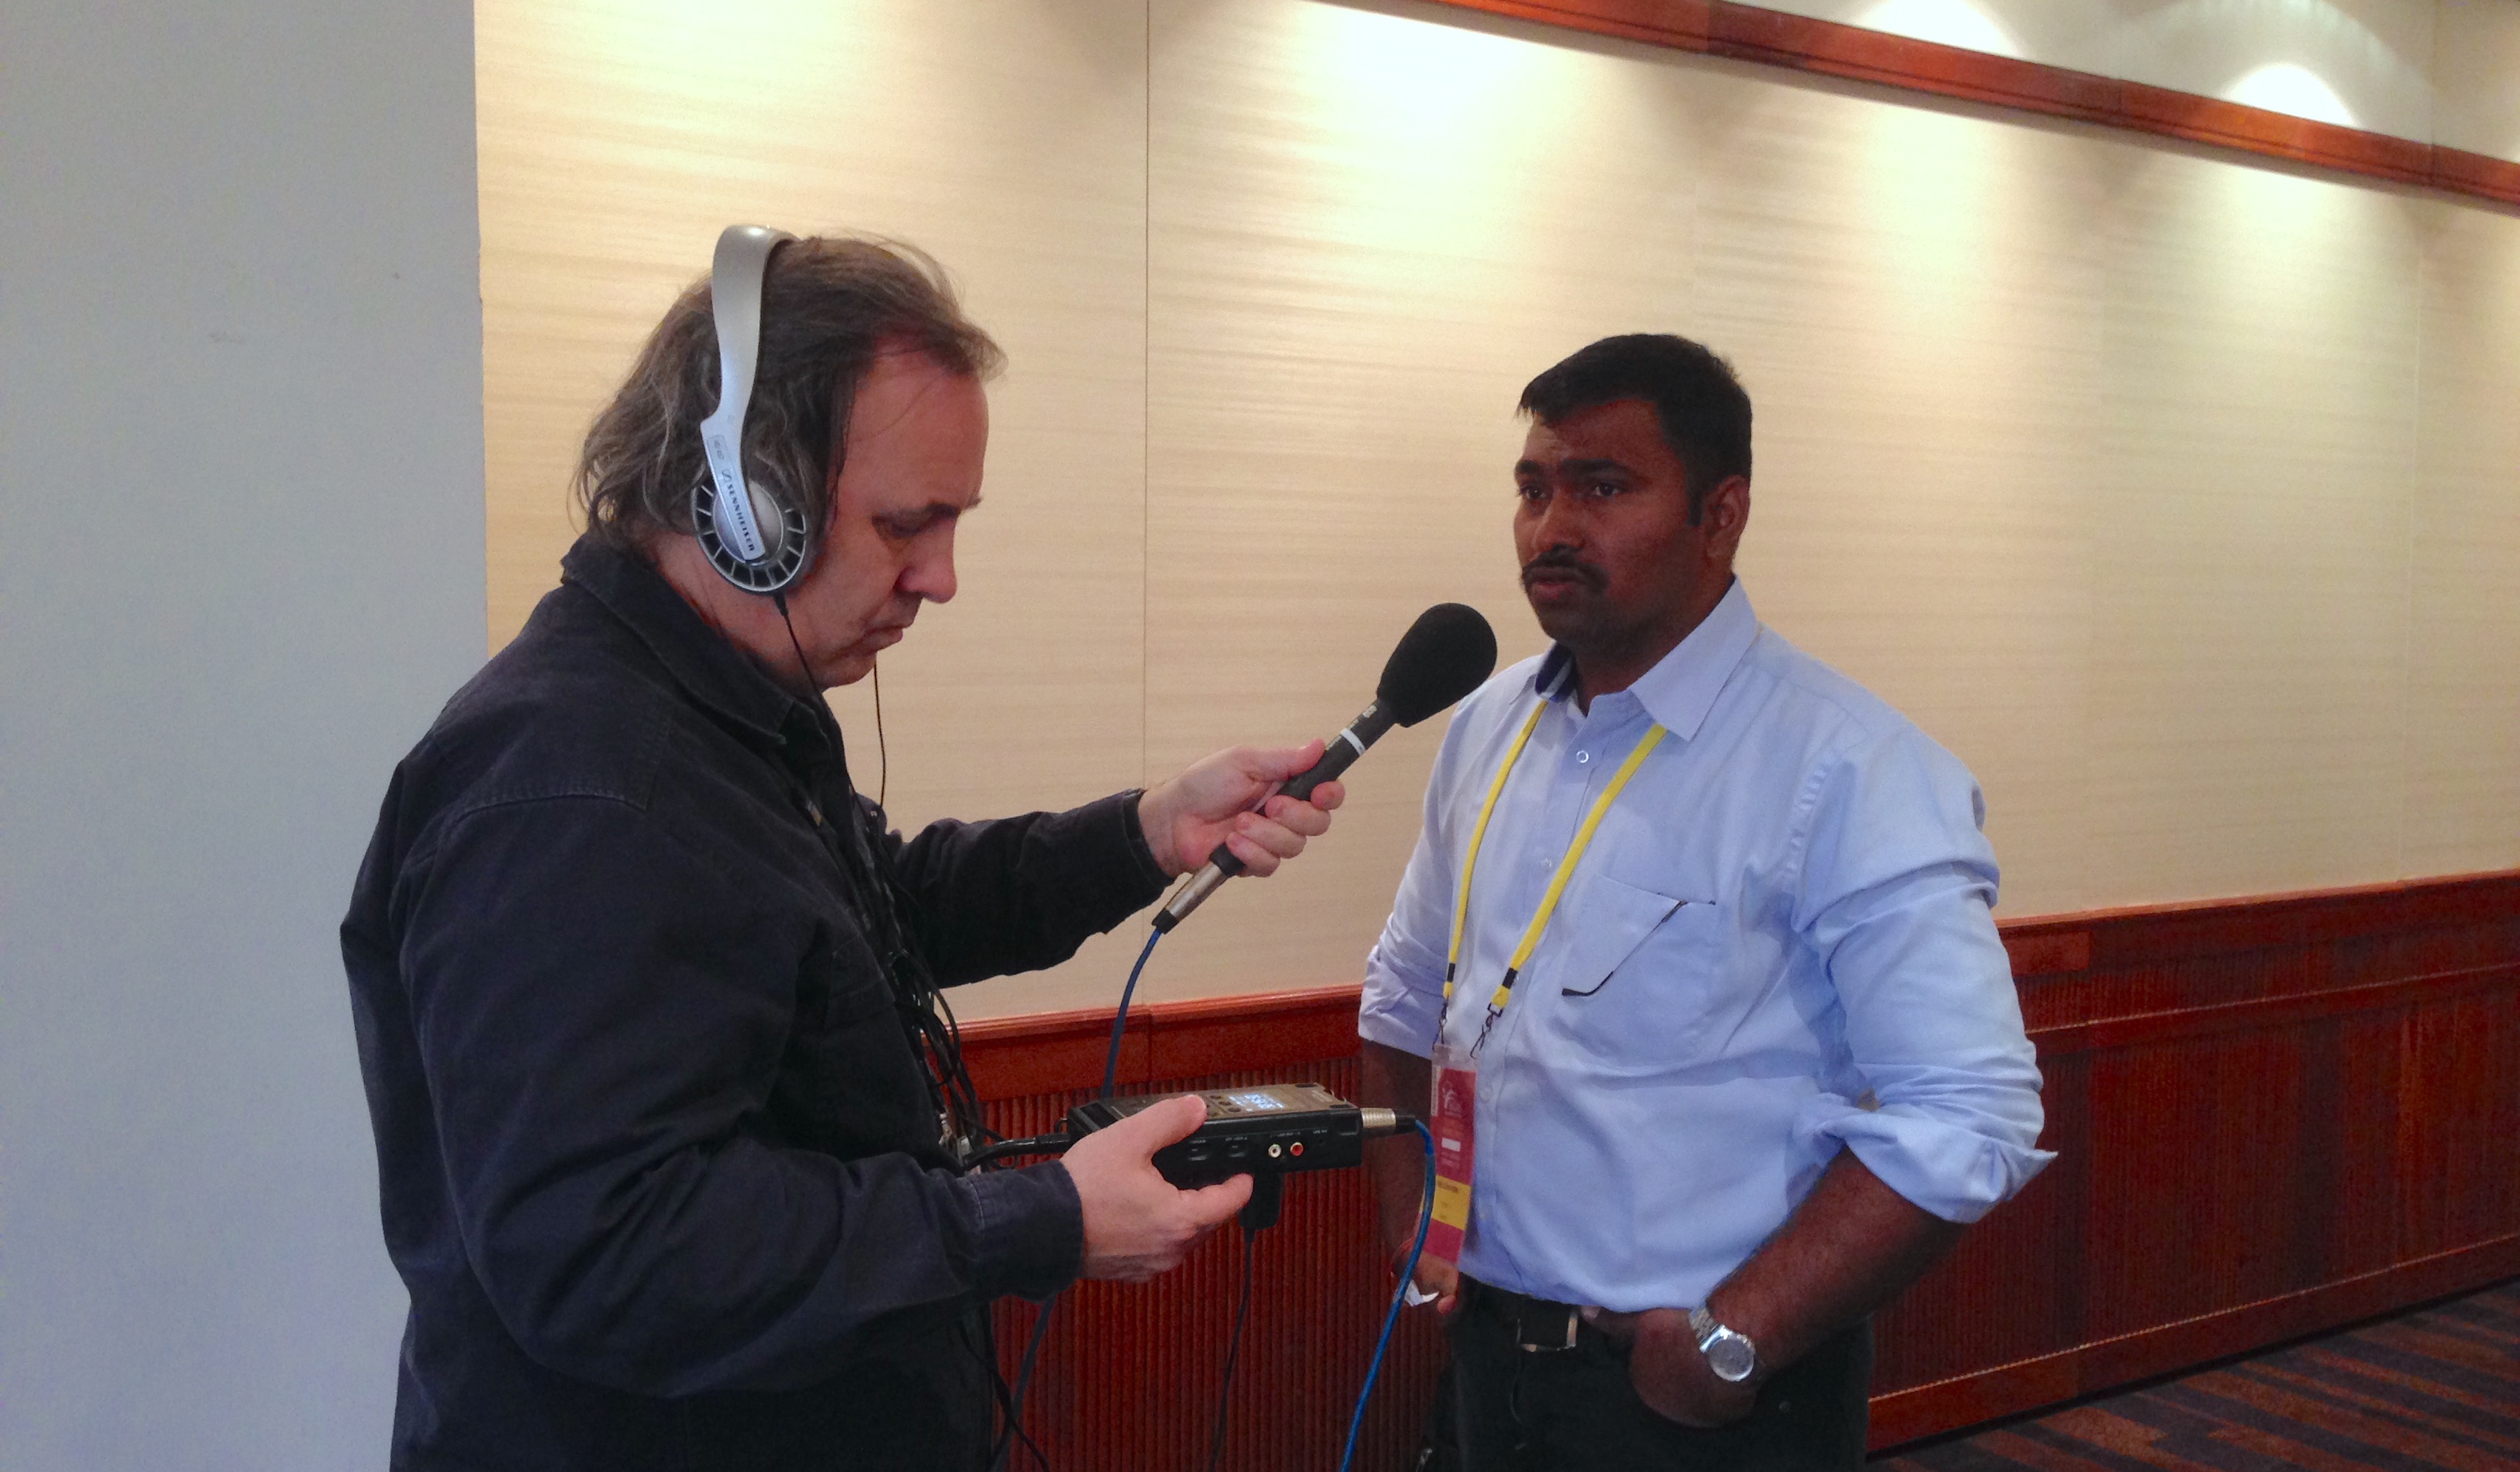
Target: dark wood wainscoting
[(2274, 1116)]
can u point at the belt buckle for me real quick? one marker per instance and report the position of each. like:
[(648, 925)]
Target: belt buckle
[(1529, 1346)]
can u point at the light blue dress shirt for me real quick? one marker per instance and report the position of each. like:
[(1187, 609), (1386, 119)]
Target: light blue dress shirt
[(1778, 942)]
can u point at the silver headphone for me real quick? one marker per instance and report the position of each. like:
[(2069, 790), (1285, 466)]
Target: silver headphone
[(753, 536)]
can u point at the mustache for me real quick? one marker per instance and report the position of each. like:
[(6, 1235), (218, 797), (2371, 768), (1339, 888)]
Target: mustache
[(1558, 560)]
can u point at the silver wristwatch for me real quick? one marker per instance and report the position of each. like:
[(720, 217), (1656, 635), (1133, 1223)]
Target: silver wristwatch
[(1730, 1354)]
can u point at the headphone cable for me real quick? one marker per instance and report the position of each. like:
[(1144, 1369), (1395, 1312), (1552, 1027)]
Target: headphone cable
[(804, 665), (1233, 1353), (1023, 1384), (1013, 1431), (875, 667), (883, 758), (1041, 1322)]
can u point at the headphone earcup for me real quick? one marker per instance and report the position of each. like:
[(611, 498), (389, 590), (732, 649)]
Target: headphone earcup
[(784, 542)]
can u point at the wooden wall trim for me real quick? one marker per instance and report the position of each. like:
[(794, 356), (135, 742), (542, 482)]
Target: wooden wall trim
[(1053, 1052), (1773, 38), (2191, 1023), (2134, 934)]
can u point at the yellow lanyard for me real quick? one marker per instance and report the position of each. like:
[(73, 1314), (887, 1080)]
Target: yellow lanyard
[(1557, 885)]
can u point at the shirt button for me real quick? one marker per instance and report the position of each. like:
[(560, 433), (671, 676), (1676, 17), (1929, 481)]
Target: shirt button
[(1582, 758)]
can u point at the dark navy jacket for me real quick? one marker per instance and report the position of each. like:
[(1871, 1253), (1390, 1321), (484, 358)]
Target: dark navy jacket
[(657, 1161)]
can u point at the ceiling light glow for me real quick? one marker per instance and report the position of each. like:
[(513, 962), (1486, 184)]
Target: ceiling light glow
[(1947, 23), (2296, 91)]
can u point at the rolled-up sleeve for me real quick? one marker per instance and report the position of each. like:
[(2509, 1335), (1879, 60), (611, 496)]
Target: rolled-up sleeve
[(1898, 894), (1404, 973)]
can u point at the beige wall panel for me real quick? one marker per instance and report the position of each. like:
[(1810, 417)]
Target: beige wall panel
[(1369, 229), (2250, 528), (2173, 492), (2476, 73), (1007, 139), (1912, 298), (2463, 662)]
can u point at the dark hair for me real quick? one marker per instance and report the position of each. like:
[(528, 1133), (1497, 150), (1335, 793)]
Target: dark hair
[(1703, 410), (828, 307)]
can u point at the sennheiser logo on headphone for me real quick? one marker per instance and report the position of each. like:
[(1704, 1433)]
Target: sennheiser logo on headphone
[(734, 505)]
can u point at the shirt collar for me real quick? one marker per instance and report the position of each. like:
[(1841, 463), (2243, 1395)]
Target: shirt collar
[(711, 670), (1681, 686)]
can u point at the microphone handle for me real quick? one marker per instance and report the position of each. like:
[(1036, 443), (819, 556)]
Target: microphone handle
[(1338, 753)]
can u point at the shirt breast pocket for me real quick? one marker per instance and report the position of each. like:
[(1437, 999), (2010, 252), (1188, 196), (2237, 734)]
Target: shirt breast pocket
[(1640, 975)]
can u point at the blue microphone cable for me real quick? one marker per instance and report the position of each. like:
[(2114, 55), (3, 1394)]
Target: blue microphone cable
[(1120, 1024), (1408, 1276)]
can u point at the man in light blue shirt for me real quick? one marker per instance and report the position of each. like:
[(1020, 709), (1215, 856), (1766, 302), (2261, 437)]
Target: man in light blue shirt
[(1764, 1059)]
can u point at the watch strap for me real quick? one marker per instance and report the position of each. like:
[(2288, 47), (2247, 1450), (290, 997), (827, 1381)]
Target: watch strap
[(1702, 1327), (1729, 1352)]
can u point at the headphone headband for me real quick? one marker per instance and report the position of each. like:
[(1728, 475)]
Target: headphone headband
[(729, 514)]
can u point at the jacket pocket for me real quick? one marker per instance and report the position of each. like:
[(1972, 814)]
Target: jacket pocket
[(849, 1083), (840, 982), (1640, 975)]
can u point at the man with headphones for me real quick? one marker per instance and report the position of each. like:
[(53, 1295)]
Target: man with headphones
[(670, 1120)]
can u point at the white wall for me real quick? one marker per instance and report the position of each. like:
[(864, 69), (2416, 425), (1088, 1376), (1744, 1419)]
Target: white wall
[(241, 465)]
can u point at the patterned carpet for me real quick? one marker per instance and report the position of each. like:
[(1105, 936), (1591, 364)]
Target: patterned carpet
[(2437, 1390)]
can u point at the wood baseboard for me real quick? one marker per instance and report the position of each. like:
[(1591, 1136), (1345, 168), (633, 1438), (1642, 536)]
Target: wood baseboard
[(1923, 1412)]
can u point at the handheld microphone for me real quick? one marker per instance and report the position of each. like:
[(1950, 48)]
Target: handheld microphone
[(1443, 657)]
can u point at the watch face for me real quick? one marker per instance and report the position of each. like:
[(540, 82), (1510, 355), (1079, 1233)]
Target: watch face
[(1730, 1357)]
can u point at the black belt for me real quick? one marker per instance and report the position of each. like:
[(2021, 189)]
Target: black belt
[(1540, 1326)]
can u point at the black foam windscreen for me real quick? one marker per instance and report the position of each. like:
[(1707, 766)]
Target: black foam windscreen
[(1445, 654)]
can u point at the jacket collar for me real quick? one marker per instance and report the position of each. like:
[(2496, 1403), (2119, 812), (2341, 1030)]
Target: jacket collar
[(1681, 686), (711, 670)]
